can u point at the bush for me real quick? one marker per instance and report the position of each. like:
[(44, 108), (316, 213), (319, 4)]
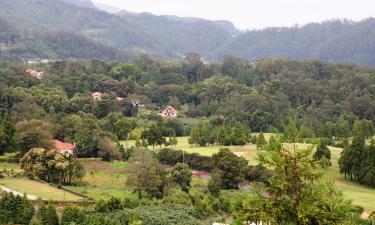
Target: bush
[(48, 215), (194, 160), (72, 215), (97, 219), (167, 215), (15, 210)]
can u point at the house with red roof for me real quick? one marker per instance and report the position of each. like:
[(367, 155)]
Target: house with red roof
[(169, 112), (64, 147)]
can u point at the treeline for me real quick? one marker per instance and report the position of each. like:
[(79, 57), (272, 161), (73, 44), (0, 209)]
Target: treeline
[(259, 95), (357, 161)]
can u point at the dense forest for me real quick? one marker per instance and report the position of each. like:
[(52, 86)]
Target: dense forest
[(168, 37)]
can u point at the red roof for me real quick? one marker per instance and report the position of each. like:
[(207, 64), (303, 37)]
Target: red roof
[(63, 146)]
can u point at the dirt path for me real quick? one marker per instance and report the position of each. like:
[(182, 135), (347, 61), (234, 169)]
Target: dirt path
[(16, 193)]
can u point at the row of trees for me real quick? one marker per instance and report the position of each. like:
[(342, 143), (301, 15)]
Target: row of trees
[(357, 161), (225, 135)]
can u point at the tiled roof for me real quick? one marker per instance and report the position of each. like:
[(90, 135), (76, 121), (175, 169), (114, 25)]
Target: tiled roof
[(63, 146)]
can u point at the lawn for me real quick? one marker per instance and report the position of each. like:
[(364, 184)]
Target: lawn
[(42, 190), (103, 179), (360, 194)]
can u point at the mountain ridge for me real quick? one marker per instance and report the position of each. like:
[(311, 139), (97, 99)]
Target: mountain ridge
[(171, 37)]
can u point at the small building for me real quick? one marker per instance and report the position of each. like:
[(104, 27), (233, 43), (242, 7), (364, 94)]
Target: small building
[(119, 98), (97, 96), (64, 147), (169, 112), (138, 104)]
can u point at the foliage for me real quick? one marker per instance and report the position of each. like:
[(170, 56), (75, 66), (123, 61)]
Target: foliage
[(261, 141), (295, 194), (168, 215), (193, 160), (146, 176), (181, 174), (52, 166), (48, 215), (8, 139), (15, 210), (33, 133), (72, 214), (323, 154), (154, 135), (230, 168)]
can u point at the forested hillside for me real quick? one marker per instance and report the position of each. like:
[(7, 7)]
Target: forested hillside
[(171, 37), (336, 40)]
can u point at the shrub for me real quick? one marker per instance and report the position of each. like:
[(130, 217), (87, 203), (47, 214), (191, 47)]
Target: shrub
[(72, 215), (194, 160), (15, 210), (48, 215)]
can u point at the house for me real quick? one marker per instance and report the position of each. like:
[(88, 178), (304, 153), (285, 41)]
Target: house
[(119, 98), (64, 147), (169, 112), (36, 74), (138, 104), (97, 96)]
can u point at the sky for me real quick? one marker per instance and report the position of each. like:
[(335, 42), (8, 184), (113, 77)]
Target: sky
[(251, 14)]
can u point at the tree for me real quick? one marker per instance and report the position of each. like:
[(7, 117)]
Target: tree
[(153, 135), (52, 166), (8, 139), (125, 71), (261, 141), (182, 174), (72, 214), (108, 149), (239, 134), (33, 133), (230, 167), (295, 195), (97, 219), (147, 176), (322, 154), (351, 157), (15, 210), (48, 215)]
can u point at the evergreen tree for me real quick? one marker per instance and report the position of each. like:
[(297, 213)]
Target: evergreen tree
[(295, 195), (323, 154), (261, 141), (72, 215), (239, 134), (15, 210), (182, 174), (48, 215), (8, 139)]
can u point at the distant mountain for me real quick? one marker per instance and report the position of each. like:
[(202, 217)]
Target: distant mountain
[(337, 41), (81, 3), (106, 8), (73, 28)]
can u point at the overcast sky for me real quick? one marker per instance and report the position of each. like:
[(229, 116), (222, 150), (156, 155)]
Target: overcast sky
[(254, 14)]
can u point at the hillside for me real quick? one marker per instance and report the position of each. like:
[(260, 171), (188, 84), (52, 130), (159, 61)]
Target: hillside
[(171, 37), (336, 41)]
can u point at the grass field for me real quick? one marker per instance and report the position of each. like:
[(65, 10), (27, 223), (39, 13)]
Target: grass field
[(103, 180), (360, 194), (41, 190)]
